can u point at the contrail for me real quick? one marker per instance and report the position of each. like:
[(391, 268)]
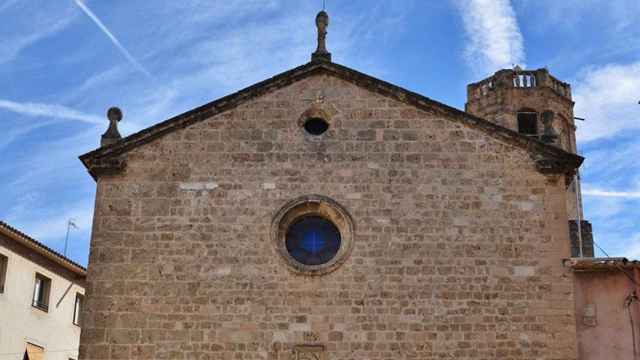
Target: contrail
[(114, 40), (49, 110)]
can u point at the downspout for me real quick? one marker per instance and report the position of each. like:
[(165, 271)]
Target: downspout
[(576, 181)]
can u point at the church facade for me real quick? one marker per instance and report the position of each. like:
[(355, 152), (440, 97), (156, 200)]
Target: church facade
[(326, 214)]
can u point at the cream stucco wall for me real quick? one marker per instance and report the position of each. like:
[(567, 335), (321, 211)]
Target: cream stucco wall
[(21, 323)]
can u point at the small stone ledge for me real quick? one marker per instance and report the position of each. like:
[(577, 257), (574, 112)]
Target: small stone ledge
[(551, 166), (106, 166)]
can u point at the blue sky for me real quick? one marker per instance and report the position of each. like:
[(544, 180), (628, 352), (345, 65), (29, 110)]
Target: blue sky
[(64, 62)]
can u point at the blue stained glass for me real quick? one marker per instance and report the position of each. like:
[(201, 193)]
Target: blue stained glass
[(313, 240)]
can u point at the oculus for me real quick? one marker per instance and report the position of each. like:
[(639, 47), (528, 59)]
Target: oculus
[(313, 234), (316, 126), (313, 240), (315, 120)]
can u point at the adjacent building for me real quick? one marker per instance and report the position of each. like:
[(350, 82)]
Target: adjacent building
[(41, 298), (607, 307)]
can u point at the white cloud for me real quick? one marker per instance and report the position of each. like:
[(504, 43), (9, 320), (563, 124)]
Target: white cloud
[(55, 227), (50, 111), (50, 226), (494, 38), (621, 14), (21, 32), (607, 97), (603, 209), (11, 46), (47, 162), (609, 193), (612, 159), (14, 134), (633, 249)]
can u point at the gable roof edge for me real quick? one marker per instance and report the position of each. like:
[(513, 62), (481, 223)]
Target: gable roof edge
[(543, 150), (102, 157)]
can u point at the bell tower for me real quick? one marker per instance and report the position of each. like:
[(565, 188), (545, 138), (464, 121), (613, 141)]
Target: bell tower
[(523, 101), (535, 104)]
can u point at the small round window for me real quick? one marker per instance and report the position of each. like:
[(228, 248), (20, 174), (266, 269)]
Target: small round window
[(316, 126), (313, 240), (313, 234)]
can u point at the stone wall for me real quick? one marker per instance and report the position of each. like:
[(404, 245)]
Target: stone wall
[(500, 97), (587, 238), (457, 248)]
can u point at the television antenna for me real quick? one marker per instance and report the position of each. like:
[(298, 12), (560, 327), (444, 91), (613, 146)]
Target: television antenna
[(70, 224)]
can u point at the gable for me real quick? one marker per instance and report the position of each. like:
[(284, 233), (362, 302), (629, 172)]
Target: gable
[(549, 159)]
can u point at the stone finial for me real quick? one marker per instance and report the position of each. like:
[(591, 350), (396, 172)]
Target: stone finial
[(112, 135), (321, 53), (549, 135)]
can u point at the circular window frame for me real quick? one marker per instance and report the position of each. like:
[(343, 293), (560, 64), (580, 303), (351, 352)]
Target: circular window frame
[(313, 205), (316, 126), (315, 113)]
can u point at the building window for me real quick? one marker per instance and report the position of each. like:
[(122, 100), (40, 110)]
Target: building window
[(528, 123), (313, 234), (77, 309), (315, 121), (313, 240), (41, 292), (524, 81), (4, 262), (34, 352), (316, 126)]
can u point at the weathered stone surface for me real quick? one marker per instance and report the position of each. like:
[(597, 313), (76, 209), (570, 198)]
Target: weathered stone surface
[(444, 214), (587, 239), (500, 97)]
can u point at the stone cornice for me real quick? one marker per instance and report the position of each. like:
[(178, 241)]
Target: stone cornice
[(105, 166)]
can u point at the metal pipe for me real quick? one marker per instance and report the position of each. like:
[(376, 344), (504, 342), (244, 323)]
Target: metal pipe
[(576, 182)]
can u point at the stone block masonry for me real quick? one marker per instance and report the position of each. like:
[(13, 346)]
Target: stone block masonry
[(457, 252), (499, 98)]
